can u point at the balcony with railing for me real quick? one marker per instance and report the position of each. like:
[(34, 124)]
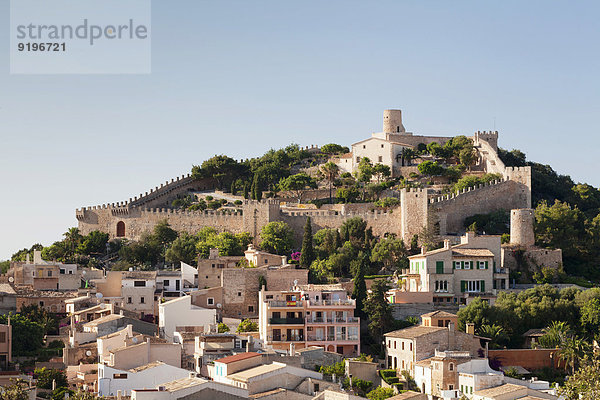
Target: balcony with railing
[(332, 320), (285, 338), (285, 303), (286, 321), (332, 303)]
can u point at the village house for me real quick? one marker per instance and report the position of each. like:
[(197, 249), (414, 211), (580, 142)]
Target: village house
[(455, 274), (114, 381), (178, 313), (310, 315), (405, 347)]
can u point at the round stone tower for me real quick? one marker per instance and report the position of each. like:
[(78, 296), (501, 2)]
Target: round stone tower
[(521, 227), (392, 121)]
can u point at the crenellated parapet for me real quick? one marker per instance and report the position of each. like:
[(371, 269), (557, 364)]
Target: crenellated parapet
[(455, 195)]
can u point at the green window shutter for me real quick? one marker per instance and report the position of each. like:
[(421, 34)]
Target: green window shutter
[(439, 267), (462, 264), (453, 264), (463, 285), (483, 286), (486, 265)]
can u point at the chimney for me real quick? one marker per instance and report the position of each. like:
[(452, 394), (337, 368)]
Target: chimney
[(423, 250), (249, 344), (451, 336), (446, 244), (192, 375), (470, 328), (283, 260), (292, 349), (213, 254), (37, 257), (27, 259)]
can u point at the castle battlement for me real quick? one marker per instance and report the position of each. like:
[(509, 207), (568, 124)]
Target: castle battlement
[(195, 213), (452, 196)]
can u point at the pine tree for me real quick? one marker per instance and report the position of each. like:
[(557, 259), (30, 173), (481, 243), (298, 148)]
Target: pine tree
[(379, 310), (308, 254), (359, 292)]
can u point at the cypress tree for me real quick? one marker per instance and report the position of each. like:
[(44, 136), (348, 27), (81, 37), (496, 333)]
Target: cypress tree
[(233, 188), (338, 239), (359, 293), (246, 190), (257, 188), (308, 254), (253, 189)]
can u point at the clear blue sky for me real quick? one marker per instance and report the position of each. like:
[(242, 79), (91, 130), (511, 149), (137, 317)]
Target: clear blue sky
[(240, 77)]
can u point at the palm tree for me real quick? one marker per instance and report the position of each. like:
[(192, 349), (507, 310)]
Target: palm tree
[(571, 351), (72, 237), (555, 334), (495, 333), (331, 171)]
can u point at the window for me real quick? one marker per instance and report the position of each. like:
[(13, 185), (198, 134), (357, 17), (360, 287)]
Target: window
[(119, 376), (316, 387), (394, 344), (250, 308), (410, 346), (402, 345), (380, 158), (129, 300), (382, 146), (239, 294), (62, 271), (142, 300), (41, 304), (439, 267), (2, 337), (166, 282), (49, 273), (210, 301), (139, 283), (456, 264), (357, 160), (364, 146), (451, 368), (450, 387), (269, 297)]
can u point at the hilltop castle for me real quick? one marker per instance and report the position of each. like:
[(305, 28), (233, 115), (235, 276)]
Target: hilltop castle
[(419, 208)]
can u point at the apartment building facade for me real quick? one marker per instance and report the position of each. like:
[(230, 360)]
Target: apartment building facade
[(309, 315)]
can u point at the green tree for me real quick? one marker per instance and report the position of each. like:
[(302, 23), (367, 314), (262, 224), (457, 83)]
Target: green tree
[(353, 230), (359, 293), (573, 349), (408, 154), (590, 316), (380, 393), (379, 310), (297, 184), (93, 244), (495, 333), (381, 172), (28, 336), (222, 328), (467, 157), (364, 173), (17, 390), (430, 168), (585, 382), (277, 237), (347, 195), (221, 168), (163, 233), (183, 249), (246, 190), (477, 312), (247, 326), (332, 148), (330, 172), (307, 255), (4, 266), (45, 377), (391, 252), (555, 335)]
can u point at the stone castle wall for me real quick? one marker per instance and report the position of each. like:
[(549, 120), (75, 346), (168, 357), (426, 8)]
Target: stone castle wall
[(451, 210), (416, 212)]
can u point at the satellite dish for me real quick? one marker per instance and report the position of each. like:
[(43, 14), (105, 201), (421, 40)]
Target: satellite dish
[(134, 340), (99, 295), (219, 305), (11, 279), (83, 272), (88, 353)]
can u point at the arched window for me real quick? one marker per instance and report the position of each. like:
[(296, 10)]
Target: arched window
[(120, 229)]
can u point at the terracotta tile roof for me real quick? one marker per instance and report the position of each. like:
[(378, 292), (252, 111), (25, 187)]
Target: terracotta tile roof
[(147, 366), (414, 332), (440, 314), (406, 396), (507, 388), (472, 253), (238, 357)]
